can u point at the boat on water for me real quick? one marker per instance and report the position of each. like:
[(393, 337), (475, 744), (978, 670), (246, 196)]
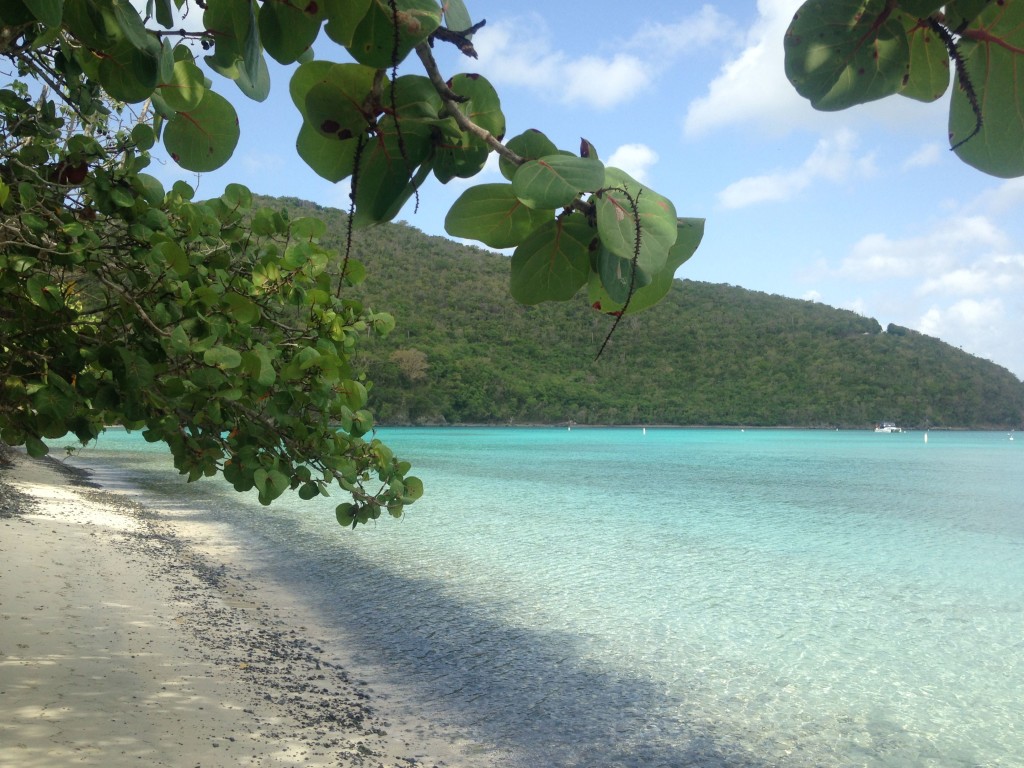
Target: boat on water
[(888, 426)]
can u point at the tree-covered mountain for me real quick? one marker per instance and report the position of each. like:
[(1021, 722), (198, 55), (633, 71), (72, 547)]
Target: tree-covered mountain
[(465, 352)]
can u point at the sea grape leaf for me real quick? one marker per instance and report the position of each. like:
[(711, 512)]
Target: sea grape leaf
[(529, 145), (456, 15), (492, 214), (960, 13), (462, 155), (287, 31), (413, 98), (929, 64), (920, 9), (343, 17), (255, 82), (553, 262), (555, 181), (204, 138), (845, 52), (617, 221), (47, 11), (127, 73), (330, 158), (689, 234), (992, 49), (331, 96), (616, 274), (388, 171), (186, 87), (375, 41), (131, 25)]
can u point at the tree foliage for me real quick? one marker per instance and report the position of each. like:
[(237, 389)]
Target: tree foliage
[(840, 53), (706, 355), (226, 330)]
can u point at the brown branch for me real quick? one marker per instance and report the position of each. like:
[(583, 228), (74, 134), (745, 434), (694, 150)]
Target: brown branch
[(451, 102)]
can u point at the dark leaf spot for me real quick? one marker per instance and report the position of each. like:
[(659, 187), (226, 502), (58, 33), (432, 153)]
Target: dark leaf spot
[(330, 126)]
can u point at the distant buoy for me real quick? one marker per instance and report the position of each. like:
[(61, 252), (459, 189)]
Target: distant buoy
[(645, 432), (926, 437)]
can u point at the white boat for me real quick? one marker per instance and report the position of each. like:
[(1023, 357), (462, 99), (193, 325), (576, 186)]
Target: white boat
[(888, 426)]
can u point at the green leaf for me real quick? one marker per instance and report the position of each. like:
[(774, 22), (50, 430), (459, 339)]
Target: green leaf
[(330, 158), (617, 221), (920, 8), (492, 214), (185, 88), (993, 50), (929, 64), (845, 52), (331, 97), (388, 175), (131, 24), (222, 357), (556, 180), (960, 13), (49, 12), (690, 233), (127, 73), (553, 262), (202, 139), (374, 39), (270, 483), (617, 275), (242, 309), (456, 16), (343, 17), (287, 31), (530, 145)]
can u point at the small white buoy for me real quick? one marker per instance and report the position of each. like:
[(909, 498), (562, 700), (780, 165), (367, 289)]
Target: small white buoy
[(926, 437), (645, 431)]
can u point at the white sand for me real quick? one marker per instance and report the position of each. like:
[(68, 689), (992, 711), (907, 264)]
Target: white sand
[(121, 645)]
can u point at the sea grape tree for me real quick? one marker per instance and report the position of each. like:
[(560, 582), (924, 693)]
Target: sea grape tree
[(840, 53), (228, 332)]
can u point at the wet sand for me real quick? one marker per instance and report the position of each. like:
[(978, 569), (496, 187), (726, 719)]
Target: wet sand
[(123, 644)]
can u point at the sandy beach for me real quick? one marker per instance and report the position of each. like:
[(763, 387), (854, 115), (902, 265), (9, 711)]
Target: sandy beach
[(121, 644)]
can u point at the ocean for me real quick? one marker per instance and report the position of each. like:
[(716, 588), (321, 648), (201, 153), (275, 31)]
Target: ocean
[(670, 597)]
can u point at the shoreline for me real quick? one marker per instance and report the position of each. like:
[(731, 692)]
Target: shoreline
[(122, 641)]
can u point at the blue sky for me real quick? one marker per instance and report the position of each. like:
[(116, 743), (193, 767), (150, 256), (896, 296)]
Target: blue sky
[(864, 209)]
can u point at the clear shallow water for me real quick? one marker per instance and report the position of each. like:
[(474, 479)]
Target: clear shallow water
[(604, 597)]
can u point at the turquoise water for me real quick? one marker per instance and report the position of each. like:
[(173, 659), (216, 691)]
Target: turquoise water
[(606, 597)]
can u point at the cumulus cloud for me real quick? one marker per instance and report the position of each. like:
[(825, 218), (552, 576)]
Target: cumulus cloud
[(704, 29), (752, 87), (634, 159), (929, 154), (961, 281), (928, 256), (833, 159), (752, 90), (521, 52)]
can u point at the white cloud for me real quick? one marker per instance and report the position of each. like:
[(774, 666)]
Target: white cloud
[(704, 29), (521, 52), (752, 87), (634, 159), (833, 159), (752, 90), (509, 57), (960, 280), (942, 250), (929, 154), (603, 83)]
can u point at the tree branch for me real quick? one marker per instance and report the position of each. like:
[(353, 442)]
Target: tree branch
[(451, 102)]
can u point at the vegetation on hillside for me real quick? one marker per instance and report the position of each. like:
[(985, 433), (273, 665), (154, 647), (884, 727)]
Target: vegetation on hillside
[(464, 352)]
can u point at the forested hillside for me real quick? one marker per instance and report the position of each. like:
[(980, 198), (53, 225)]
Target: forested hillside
[(465, 352)]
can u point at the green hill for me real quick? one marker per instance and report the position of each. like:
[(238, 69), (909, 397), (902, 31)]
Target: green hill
[(465, 352)]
